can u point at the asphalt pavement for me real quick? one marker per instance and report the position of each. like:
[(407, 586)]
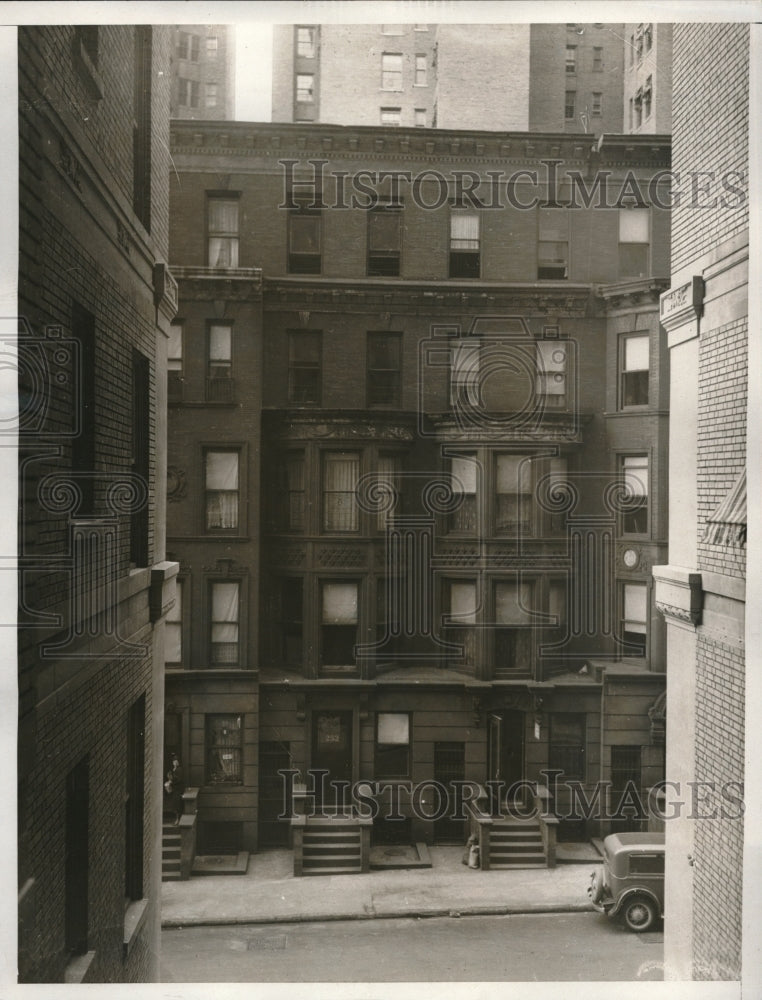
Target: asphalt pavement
[(269, 893)]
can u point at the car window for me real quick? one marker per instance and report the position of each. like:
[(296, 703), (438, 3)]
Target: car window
[(647, 864)]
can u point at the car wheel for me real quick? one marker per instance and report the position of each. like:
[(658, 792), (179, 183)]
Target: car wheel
[(596, 888), (639, 914)]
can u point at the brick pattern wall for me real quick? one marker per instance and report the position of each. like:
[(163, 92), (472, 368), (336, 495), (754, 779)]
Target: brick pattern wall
[(722, 435), (718, 869), (710, 122)]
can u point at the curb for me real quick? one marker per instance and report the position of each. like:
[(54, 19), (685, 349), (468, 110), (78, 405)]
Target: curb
[(175, 923)]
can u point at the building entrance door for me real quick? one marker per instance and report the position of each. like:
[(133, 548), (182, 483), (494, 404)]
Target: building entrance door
[(505, 759), (332, 752)]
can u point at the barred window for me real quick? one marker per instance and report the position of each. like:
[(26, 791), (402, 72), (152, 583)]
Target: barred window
[(224, 747)]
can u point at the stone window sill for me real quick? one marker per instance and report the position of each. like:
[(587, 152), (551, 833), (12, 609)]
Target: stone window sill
[(134, 918), (78, 967)]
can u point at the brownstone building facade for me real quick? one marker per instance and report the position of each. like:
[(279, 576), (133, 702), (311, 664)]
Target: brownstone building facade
[(463, 418), (95, 302)]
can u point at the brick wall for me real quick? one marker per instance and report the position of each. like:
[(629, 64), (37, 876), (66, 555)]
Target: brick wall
[(718, 870), (710, 122)]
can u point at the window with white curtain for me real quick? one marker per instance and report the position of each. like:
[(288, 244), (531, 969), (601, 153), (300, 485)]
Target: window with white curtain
[(513, 495), (339, 616), (220, 350), (173, 630), (222, 490), (465, 258), (463, 482), (634, 241), (634, 370), (635, 618), (341, 471), (224, 599), (222, 232)]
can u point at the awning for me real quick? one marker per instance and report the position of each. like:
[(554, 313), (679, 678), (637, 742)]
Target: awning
[(727, 526)]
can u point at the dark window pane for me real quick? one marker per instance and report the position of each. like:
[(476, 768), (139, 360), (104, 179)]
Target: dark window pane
[(633, 260), (338, 644), (464, 265), (635, 388)]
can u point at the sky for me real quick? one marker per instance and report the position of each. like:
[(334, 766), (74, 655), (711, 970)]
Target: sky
[(253, 72)]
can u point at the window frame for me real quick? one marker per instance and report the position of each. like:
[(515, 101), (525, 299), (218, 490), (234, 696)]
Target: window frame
[(298, 367), (459, 631), (326, 514), (389, 112), (526, 510), (468, 510), (642, 335), (380, 262), (300, 90), (553, 264), (597, 58), (286, 495), (625, 461), (391, 79), (310, 41), (351, 665), (520, 635), (211, 94), (596, 104), (304, 261), (570, 105), (177, 622), (211, 745), (393, 374), (189, 92), (624, 621), (236, 450), (464, 262), (421, 78), (292, 622), (551, 372), (646, 245), (402, 757), (570, 61), (238, 662), (233, 236)]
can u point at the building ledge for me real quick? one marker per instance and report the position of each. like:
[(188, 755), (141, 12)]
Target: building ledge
[(77, 969), (134, 920)]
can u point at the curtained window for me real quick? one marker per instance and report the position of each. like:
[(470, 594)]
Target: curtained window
[(634, 369), (635, 618), (222, 490), (514, 508), (339, 623), (220, 350), (341, 470), (222, 231), (224, 744), (225, 610), (463, 479), (465, 259)]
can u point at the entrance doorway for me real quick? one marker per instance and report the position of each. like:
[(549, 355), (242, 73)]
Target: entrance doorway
[(505, 759), (332, 752)]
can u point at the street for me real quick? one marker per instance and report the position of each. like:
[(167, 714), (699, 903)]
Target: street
[(574, 947)]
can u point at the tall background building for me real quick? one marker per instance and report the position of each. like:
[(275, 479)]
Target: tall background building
[(203, 71), (648, 78), (501, 77), (95, 301)]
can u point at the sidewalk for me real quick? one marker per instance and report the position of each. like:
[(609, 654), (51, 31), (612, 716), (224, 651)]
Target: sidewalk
[(269, 893)]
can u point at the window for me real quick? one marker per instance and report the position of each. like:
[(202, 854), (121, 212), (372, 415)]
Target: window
[(639, 108), (465, 259), (567, 745), (305, 88), (465, 382), (305, 42), (188, 46), (551, 372), (647, 98), (513, 479), (222, 490), (76, 857), (648, 39), (392, 745), (553, 243), (597, 105), (633, 242), (291, 500), (141, 454), (304, 239), (292, 613), (632, 112), (463, 477), (625, 774), (175, 362), (634, 618), (224, 600), (173, 630), (189, 93), (461, 606), (384, 364), (570, 105), (304, 366), (420, 117), (224, 744), (134, 802), (571, 58), (338, 624), (597, 58), (391, 71), (388, 473), (384, 241), (557, 605), (513, 634), (341, 471), (634, 371), (634, 475), (420, 71), (391, 116), (639, 43), (211, 95), (212, 47), (141, 126), (222, 231), (219, 383)]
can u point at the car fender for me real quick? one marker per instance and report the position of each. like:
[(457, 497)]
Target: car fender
[(636, 891)]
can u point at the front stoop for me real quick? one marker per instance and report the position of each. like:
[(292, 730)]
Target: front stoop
[(170, 853), (516, 843)]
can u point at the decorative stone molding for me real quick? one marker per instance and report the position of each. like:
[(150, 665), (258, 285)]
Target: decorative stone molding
[(177, 484), (679, 595), (165, 292), (680, 309)]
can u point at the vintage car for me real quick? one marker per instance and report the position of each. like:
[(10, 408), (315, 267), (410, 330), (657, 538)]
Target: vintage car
[(630, 883)]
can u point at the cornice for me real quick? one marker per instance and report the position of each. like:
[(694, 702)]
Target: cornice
[(221, 283), (642, 291)]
